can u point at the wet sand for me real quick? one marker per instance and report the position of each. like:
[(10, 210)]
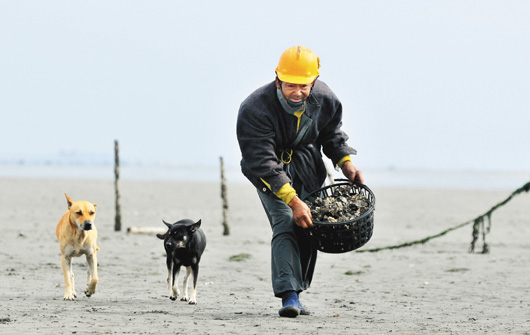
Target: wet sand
[(435, 288)]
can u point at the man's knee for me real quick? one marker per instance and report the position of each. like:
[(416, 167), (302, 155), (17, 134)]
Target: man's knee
[(282, 222)]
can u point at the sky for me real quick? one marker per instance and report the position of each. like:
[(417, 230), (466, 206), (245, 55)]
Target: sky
[(424, 84)]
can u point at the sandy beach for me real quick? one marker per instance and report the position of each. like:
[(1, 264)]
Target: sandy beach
[(435, 288)]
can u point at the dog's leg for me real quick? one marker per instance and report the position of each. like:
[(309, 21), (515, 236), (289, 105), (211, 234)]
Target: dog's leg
[(195, 270), (185, 284), (171, 279), (92, 277), (174, 289), (69, 285)]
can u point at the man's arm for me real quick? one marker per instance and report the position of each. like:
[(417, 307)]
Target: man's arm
[(351, 172), (301, 213)]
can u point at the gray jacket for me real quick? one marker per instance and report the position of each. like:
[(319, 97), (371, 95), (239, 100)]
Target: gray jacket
[(265, 129)]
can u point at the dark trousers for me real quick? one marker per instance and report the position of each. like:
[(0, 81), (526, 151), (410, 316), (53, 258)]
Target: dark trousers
[(293, 258)]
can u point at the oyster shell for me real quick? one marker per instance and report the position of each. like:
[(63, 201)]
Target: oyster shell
[(342, 205)]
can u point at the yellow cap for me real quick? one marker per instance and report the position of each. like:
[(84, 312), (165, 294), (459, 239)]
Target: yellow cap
[(298, 65)]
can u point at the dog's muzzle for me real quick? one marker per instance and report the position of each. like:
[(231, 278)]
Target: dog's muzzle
[(87, 225), (175, 245)]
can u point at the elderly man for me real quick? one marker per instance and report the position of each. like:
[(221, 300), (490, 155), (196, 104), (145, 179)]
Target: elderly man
[(282, 128)]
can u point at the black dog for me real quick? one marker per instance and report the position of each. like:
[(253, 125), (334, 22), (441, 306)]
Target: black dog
[(184, 243)]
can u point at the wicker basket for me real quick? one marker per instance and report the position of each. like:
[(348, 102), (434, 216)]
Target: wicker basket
[(344, 236)]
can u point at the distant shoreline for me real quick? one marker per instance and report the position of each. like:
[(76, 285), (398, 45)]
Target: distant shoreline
[(392, 178)]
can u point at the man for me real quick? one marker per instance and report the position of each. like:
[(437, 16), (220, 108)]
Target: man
[(282, 128)]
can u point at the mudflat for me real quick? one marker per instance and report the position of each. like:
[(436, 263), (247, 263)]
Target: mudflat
[(434, 288)]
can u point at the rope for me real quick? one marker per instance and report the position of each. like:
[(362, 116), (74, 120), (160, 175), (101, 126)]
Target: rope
[(478, 226)]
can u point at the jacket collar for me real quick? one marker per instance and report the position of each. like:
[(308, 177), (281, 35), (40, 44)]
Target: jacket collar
[(286, 106)]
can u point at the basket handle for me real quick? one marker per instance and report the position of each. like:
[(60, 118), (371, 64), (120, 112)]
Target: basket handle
[(342, 179), (348, 181)]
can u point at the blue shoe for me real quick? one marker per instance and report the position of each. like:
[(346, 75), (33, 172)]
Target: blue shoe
[(304, 310), (291, 305)]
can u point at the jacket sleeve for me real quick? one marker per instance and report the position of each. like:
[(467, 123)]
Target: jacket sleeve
[(255, 133), (332, 138)]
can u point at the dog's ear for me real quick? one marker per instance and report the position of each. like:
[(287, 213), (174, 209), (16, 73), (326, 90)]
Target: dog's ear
[(94, 205), (194, 227), (68, 200), (167, 224), (161, 236)]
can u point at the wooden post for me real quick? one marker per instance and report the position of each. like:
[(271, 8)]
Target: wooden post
[(117, 218), (147, 230), (226, 230)]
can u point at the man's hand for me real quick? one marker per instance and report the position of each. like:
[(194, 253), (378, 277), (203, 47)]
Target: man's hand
[(301, 213), (351, 172)]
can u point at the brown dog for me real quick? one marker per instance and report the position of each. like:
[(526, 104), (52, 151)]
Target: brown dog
[(77, 236)]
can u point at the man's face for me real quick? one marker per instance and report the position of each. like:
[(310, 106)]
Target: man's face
[(295, 93)]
